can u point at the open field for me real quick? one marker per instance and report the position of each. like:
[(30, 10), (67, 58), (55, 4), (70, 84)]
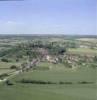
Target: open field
[(8, 65), (27, 91), (48, 92), (93, 40), (82, 74), (83, 51), (2, 71)]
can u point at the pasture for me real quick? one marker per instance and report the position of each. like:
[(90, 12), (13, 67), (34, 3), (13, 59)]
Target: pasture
[(8, 65), (74, 91), (48, 92), (82, 51)]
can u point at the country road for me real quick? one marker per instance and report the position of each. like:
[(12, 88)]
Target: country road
[(17, 72), (12, 75)]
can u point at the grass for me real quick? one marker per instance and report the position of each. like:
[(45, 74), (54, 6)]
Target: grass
[(5, 67), (9, 64), (83, 74), (83, 51), (2, 71), (92, 40), (48, 92), (20, 91)]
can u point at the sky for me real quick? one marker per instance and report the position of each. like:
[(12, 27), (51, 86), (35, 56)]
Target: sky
[(48, 17)]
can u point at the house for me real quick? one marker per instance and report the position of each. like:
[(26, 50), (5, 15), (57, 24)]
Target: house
[(51, 59)]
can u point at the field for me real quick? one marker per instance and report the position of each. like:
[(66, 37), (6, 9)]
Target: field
[(48, 92), (5, 67), (69, 78), (74, 91), (8, 65), (83, 51)]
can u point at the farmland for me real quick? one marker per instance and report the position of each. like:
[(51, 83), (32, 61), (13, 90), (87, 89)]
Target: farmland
[(48, 68), (83, 51), (72, 91)]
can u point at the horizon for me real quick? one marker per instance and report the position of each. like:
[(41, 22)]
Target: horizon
[(61, 17), (48, 35)]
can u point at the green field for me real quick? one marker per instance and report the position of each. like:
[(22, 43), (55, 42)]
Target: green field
[(48, 92), (23, 91), (2, 71), (8, 65), (82, 74), (82, 51)]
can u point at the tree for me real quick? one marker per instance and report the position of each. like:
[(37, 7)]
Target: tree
[(9, 82), (13, 67), (95, 58), (4, 60)]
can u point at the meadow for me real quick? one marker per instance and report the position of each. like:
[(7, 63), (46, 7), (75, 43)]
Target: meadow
[(74, 91), (82, 51)]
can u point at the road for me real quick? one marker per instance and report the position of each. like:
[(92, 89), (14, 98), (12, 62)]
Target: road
[(12, 75), (16, 72)]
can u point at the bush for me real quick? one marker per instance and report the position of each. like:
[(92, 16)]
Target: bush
[(93, 65), (61, 83), (68, 83), (13, 67), (9, 82), (95, 58), (84, 82), (3, 75), (40, 68), (36, 81), (4, 60)]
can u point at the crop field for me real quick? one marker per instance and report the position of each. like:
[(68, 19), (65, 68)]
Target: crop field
[(83, 51), (93, 40)]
